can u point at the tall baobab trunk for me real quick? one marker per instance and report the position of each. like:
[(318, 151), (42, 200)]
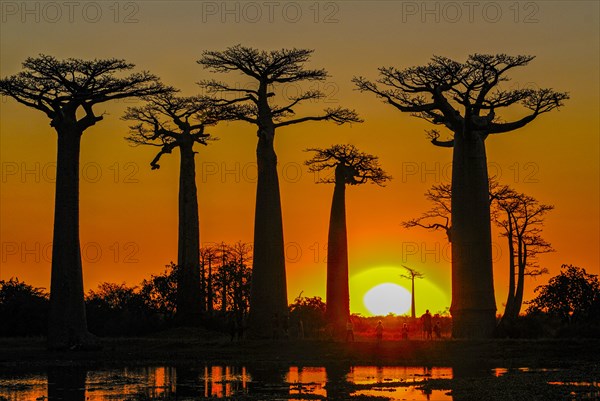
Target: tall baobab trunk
[(413, 308), (268, 294), (338, 295), (473, 305), (188, 279), (67, 324)]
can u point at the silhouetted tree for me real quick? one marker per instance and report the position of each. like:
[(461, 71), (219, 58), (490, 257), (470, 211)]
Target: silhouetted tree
[(117, 309), (412, 275), (463, 97), (208, 262), (572, 295), (311, 312), (438, 217), (67, 91), (256, 106), (522, 220), (171, 122), (240, 279), (160, 291), (22, 309), (351, 167)]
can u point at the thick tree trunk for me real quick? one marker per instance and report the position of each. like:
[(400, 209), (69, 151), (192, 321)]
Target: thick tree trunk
[(188, 260), (473, 305), (268, 296), (67, 321), (338, 294)]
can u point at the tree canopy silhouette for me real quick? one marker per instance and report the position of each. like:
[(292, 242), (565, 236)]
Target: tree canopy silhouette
[(521, 218), (256, 105), (351, 167), (67, 91), (438, 217), (172, 122), (464, 98), (412, 274), (572, 295)]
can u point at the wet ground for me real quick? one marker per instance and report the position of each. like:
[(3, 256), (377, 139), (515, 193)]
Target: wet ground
[(184, 367), (276, 382)]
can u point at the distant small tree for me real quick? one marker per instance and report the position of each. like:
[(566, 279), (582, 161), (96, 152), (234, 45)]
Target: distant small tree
[(310, 313), (208, 269), (412, 275), (351, 167), (159, 292), (22, 309), (573, 295), (118, 309)]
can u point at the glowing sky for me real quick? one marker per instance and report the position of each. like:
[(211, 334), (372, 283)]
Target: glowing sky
[(129, 213)]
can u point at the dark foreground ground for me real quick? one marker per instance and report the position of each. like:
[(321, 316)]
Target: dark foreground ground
[(536, 369)]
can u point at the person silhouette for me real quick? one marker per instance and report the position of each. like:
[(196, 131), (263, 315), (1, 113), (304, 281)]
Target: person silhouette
[(437, 329), (427, 325), (349, 331), (405, 331), (379, 331)]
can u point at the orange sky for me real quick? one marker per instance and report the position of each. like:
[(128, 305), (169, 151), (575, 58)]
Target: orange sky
[(129, 213)]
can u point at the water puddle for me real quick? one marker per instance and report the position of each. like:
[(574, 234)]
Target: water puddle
[(259, 382), (218, 382)]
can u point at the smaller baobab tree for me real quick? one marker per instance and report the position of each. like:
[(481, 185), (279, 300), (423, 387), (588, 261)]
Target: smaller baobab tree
[(521, 218), (438, 217), (209, 257), (67, 91), (351, 167), (411, 275), (169, 122)]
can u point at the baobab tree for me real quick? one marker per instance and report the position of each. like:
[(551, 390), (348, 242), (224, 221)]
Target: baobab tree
[(67, 91), (170, 122), (351, 167), (208, 261), (464, 97), (411, 275), (521, 218), (256, 105), (438, 217)]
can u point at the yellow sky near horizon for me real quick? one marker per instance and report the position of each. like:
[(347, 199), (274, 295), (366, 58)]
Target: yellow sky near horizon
[(129, 213)]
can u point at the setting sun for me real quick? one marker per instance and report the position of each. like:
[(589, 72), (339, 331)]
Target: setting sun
[(387, 298), (381, 290)]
